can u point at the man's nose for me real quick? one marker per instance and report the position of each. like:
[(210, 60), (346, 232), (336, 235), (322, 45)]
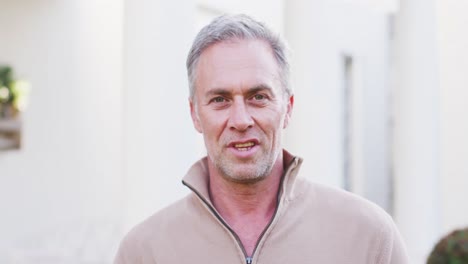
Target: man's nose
[(240, 118)]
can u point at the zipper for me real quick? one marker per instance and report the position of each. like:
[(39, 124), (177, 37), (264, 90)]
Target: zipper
[(278, 196), (215, 213), (248, 259)]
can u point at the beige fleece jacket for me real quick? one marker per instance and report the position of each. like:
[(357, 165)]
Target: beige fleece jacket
[(312, 224)]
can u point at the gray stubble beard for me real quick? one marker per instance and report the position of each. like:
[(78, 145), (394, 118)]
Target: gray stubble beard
[(228, 171)]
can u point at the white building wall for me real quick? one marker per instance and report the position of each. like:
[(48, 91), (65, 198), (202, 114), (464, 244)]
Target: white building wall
[(452, 35), (417, 125), (160, 141), (60, 194), (273, 16), (320, 34)]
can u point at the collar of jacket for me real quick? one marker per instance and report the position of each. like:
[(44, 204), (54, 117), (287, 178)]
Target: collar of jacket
[(197, 178)]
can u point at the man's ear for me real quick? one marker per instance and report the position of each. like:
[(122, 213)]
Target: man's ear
[(289, 109), (195, 119)]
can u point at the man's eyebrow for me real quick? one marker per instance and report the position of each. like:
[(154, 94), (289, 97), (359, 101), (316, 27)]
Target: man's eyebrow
[(217, 91), (259, 88)]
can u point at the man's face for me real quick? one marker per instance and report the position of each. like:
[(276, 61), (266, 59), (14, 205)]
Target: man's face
[(241, 108)]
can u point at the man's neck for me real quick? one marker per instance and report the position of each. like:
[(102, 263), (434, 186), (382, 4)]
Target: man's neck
[(247, 208)]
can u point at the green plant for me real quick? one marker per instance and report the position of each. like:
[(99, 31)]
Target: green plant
[(13, 93), (451, 249), (6, 80)]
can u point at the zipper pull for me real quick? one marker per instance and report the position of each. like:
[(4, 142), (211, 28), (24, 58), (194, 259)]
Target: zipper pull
[(248, 260)]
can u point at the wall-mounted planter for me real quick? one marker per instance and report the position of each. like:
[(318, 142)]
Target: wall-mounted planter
[(13, 99)]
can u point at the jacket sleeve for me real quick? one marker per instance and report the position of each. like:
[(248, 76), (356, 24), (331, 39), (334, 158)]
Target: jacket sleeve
[(129, 251), (392, 248), (398, 254)]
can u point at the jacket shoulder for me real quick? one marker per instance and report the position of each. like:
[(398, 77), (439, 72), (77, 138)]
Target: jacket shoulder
[(336, 202), (356, 217), (139, 243)]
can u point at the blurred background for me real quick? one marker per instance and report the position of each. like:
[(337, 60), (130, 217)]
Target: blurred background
[(380, 110)]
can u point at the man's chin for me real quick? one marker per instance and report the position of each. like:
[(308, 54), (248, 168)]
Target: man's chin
[(244, 179), (245, 174)]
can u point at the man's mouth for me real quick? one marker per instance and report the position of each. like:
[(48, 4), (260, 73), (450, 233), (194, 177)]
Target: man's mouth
[(244, 146)]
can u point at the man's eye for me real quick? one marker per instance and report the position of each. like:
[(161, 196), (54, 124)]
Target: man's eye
[(218, 100), (259, 97)]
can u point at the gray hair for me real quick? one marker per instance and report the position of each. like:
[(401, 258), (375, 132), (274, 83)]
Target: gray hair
[(232, 27)]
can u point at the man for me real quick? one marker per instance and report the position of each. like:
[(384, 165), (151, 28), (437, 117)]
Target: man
[(248, 203)]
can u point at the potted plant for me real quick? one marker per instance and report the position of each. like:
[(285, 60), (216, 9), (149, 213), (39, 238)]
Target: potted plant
[(451, 249)]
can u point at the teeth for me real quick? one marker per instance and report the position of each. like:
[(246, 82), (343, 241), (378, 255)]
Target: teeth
[(244, 145)]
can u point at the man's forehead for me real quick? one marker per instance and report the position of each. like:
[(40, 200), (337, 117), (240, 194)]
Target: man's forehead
[(249, 90), (238, 55), (237, 66)]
